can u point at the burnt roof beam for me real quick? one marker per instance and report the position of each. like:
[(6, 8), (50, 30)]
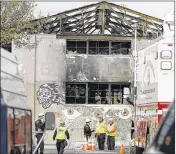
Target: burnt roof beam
[(115, 29), (101, 17), (117, 19), (105, 3), (83, 30), (135, 12), (128, 23), (93, 30), (90, 28), (79, 15), (77, 20), (85, 18), (132, 17), (86, 23), (124, 30), (122, 25), (89, 24), (80, 26), (64, 14), (66, 25), (107, 27), (67, 18)]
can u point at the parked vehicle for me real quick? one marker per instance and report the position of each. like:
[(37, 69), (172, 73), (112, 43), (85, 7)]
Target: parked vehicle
[(164, 141), (155, 88)]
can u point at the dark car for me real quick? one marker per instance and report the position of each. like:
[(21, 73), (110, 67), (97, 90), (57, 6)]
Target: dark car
[(164, 141)]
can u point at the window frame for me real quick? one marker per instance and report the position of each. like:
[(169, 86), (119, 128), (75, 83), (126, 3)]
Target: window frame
[(163, 51), (167, 62), (110, 98), (97, 46), (74, 83), (76, 46), (97, 91)]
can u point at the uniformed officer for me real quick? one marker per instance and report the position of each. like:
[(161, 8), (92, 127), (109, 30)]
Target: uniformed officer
[(61, 135), (101, 132), (111, 133), (87, 130), (40, 127)]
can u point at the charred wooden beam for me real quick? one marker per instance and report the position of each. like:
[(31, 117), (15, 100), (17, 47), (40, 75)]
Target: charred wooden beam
[(132, 17), (85, 23), (135, 12), (90, 28), (81, 21)]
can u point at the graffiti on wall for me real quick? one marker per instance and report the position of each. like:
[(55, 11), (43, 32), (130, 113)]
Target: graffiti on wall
[(50, 93), (75, 116)]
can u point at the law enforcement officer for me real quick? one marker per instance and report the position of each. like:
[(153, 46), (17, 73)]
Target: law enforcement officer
[(61, 135), (87, 130), (39, 128)]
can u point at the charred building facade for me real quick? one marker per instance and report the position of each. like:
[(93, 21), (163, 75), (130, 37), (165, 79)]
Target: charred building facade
[(98, 71), (82, 63)]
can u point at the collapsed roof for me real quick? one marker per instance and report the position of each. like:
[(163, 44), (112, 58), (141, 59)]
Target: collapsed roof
[(101, 19)]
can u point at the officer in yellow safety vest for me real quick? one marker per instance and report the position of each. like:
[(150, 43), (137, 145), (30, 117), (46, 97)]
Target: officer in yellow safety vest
[(100, 132), (61, 134), (111, 133)]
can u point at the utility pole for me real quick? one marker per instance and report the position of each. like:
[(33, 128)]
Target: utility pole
[(135, 55), (135, 58)]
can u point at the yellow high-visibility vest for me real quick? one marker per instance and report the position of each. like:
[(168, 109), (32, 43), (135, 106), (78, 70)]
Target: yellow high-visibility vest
[(61, 133), (101, 127), (110, 128)]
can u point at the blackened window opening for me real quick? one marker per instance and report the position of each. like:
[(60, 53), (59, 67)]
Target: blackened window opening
[(76, 47), (97, 93), (75, 93), (122, 47), (98, 47), (119, 93)]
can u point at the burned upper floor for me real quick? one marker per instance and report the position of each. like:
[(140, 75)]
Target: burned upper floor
[(101, 19)]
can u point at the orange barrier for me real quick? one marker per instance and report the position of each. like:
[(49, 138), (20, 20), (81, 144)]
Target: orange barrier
[(122, 149), (89, 145), (93, 145), (85, 146)]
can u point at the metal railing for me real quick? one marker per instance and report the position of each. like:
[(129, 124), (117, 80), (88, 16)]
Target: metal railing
[(42, 138)]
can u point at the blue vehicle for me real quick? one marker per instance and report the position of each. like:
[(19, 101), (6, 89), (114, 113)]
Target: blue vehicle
[(15, 115)]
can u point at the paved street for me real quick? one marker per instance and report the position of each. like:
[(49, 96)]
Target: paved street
[(72, 151)]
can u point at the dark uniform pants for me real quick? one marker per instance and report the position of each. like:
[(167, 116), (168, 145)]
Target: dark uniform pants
[(87, 137), (111, 142), (60, 144), (101, 141), (139, 150), (41, 147)]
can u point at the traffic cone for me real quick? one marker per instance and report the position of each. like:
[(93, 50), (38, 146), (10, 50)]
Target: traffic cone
[(122, 150), (85, 146), (89, 145), (93, 145)]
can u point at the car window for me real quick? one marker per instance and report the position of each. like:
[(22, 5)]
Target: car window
[(166, 135), (168, 145)]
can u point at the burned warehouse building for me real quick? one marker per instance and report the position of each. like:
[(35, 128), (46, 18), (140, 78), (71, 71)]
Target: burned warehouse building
[(81, 62)]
